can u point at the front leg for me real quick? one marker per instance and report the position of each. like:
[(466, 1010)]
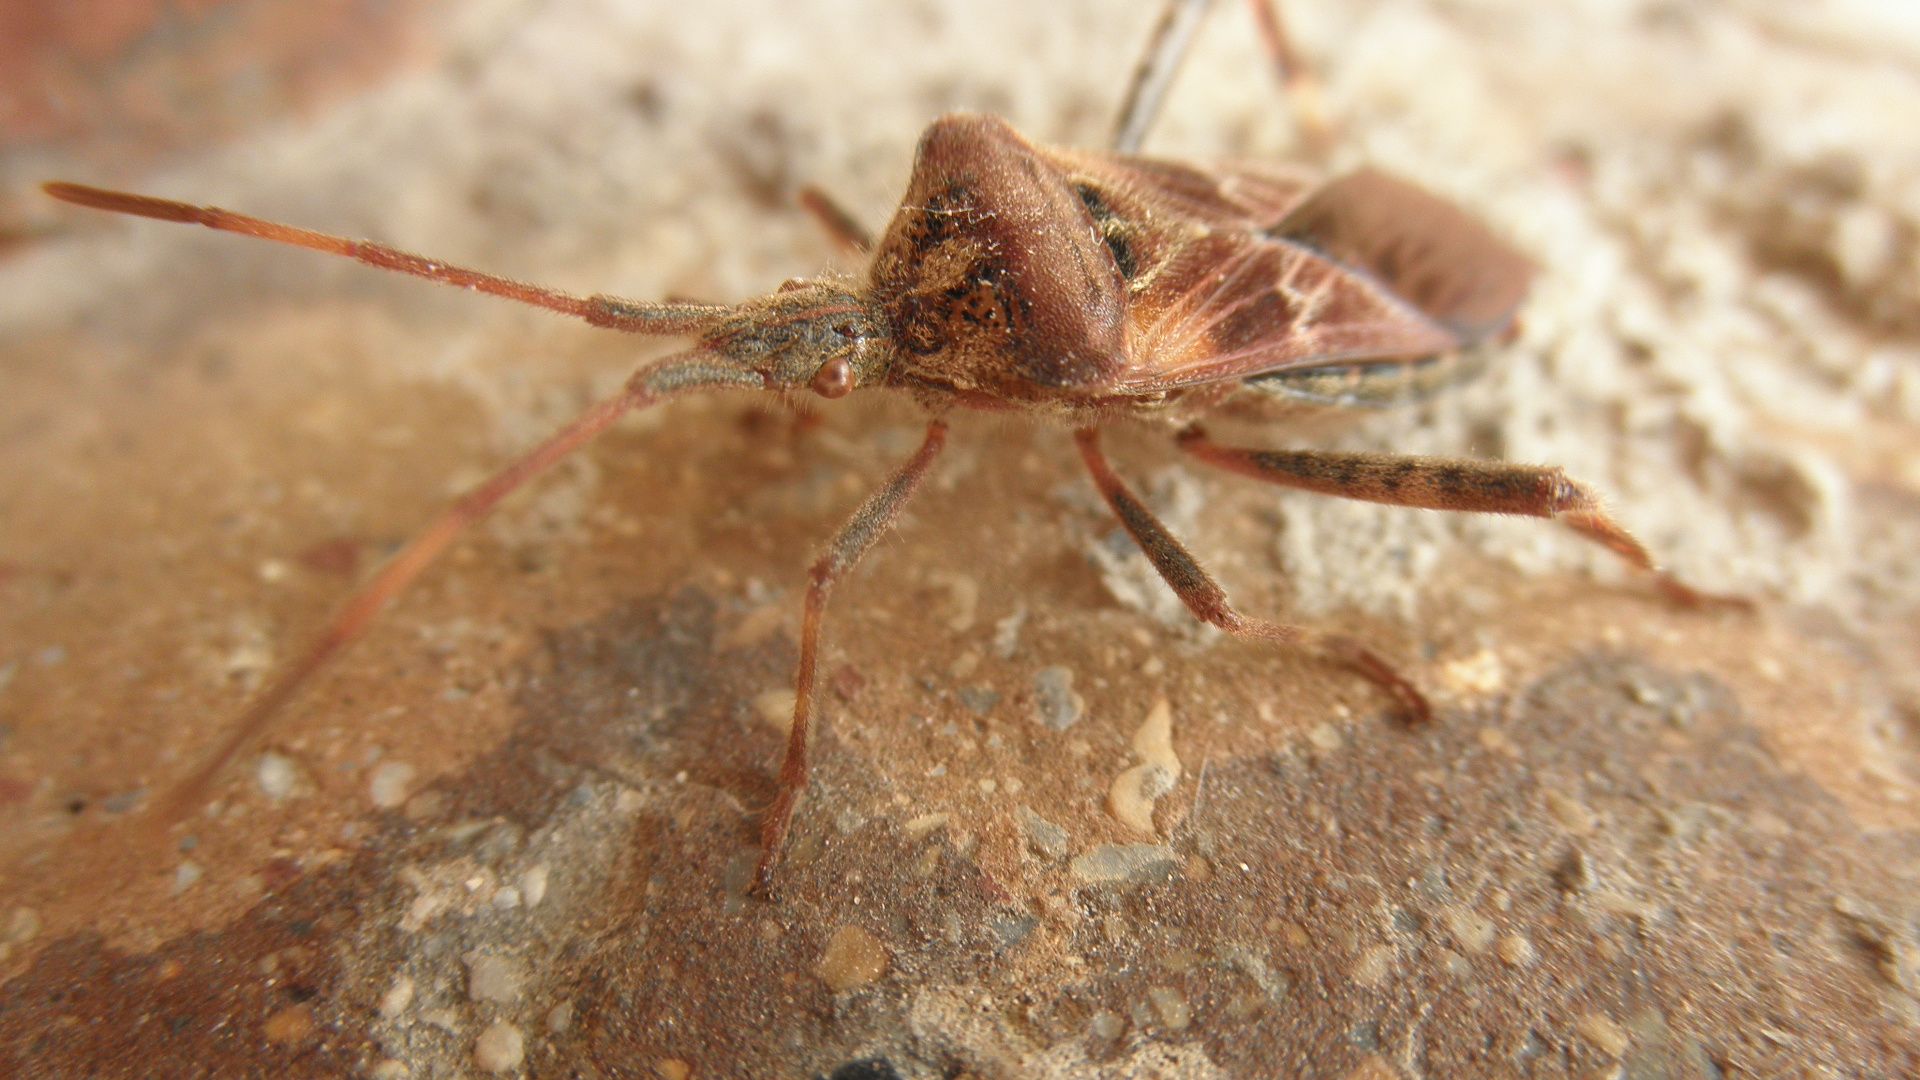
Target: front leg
[(1480, 487), (1208, 601), (867, 525)]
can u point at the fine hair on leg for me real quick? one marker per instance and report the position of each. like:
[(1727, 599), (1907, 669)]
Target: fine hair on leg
[(1478, 487), (868, 524)]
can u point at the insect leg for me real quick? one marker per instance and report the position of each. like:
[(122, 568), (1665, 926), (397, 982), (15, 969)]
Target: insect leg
[(1302, 86), (650, 386), (612, 312), (844, 228), (1208, 601), (867, 525), (1481, 487), (1147, 88)]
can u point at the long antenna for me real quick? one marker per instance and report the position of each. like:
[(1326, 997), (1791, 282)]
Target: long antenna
[(631, 316), (684, 373)]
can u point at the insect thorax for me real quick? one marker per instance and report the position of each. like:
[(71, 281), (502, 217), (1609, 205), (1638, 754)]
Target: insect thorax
[(992, 276)]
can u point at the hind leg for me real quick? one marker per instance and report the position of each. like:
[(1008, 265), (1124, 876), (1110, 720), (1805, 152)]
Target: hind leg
[(1208, 601), (1300, 82), (1480, 487)]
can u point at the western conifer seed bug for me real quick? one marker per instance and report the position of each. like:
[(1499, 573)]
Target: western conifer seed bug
[(1078, 287)]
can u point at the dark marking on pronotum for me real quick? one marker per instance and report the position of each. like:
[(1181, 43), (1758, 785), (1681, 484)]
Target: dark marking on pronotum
[(1112, 230)]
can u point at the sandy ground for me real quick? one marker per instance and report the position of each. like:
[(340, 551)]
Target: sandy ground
[(512, 828)]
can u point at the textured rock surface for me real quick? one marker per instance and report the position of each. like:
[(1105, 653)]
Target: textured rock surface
[(512, 830)]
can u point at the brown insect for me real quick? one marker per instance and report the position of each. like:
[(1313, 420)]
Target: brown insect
[(1080, 287)]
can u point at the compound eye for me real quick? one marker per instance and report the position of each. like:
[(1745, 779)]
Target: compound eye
[(834, 379)]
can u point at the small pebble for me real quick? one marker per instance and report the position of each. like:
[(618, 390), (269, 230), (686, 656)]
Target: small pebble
[(1497, 741), (1126, 863), (390, 784), (1572, 874), (1006, 634), (1478, 674), (185, 875), (275, 775), (925, 824), (290, 1024), (979, 699), (397, 998), (422, 910), (776, 706), (1572, 814), (425, 806), (23, 925), (1373, 1067), (1606, 1036), (853, 959), (389, 1069), (500, 1047), (1054, 702), (1516, 951), (1643, 694), (533, 885), (1471, 929), (560, 1018), (1374, 965), (1134, 791), (1043, 836), (494, 978), (1172, 1007), (964, 593), (1011, 930), (123, 802)]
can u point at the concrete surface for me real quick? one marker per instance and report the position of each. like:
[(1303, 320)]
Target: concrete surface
[(512, 829)]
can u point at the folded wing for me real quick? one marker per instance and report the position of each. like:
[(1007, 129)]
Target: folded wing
[(1245, 270)]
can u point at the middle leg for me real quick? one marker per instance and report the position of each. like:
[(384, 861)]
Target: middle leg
[(1173, 34), (1208, 601)]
